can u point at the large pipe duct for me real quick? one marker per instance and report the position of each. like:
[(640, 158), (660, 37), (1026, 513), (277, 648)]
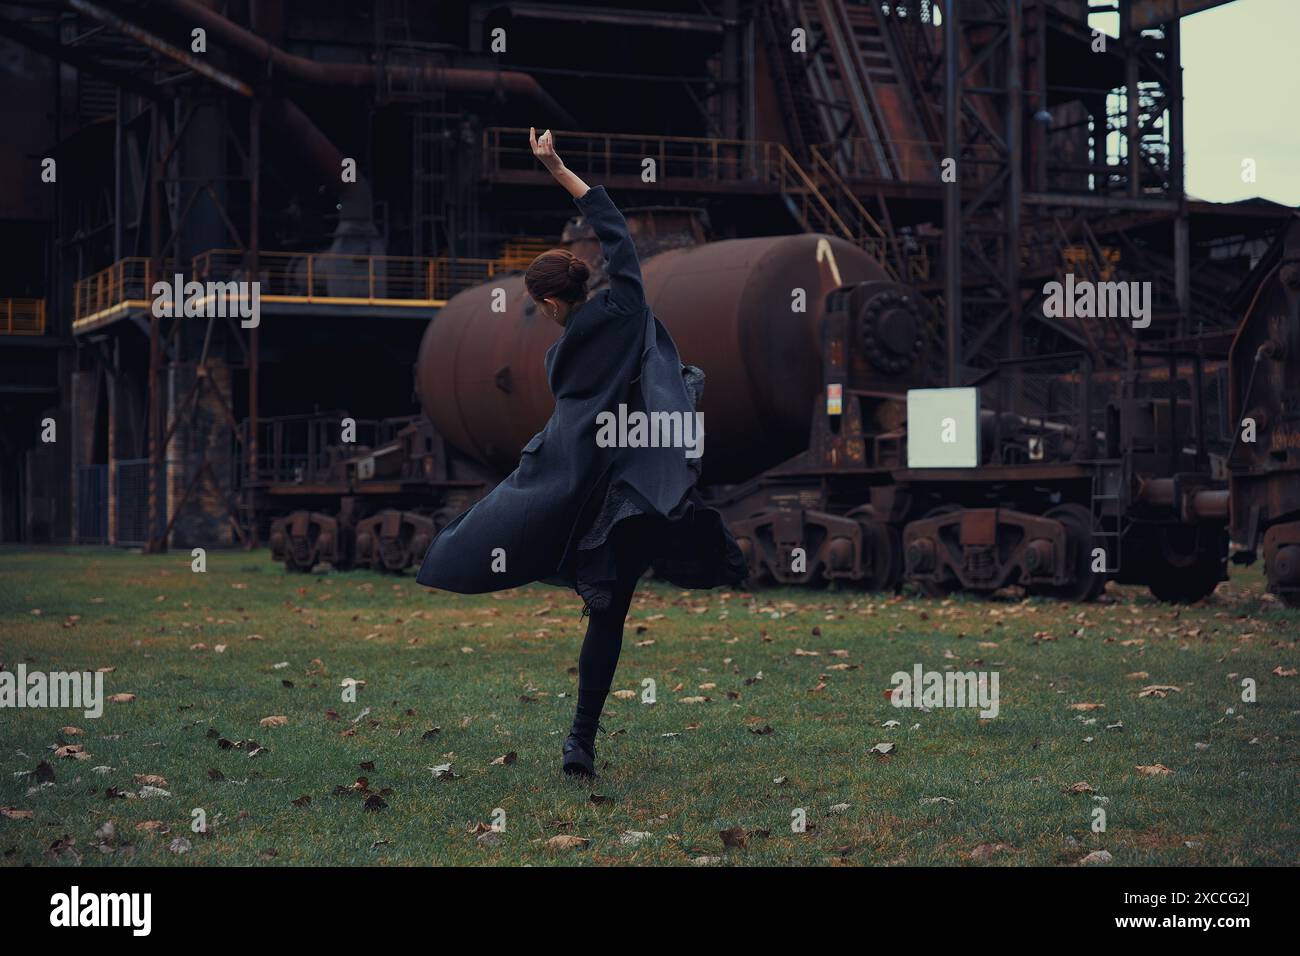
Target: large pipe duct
[(366, 74), (356, 232), (112, 20)]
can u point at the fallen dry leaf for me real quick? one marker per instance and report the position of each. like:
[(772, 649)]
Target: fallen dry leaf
[(735, 837), (566, 841), (1096, 857), (1154, 770), (986, 851)]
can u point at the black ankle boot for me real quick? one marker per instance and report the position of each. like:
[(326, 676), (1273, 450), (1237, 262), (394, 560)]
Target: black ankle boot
[(579, 756)]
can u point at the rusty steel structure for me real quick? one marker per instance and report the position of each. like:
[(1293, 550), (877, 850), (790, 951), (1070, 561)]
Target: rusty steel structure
[(918, 170), (1072, 458), (1265, 456)]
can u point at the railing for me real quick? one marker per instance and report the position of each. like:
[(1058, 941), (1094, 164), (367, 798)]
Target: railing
[(343, 279), (1059, 408), (819, 199), (294, 277), (811, 207), (126, 283), (22, 316), (602, 155), (304, 449)]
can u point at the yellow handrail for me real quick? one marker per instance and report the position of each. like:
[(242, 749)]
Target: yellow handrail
[(126, 282), (22, 316), (295, 277)]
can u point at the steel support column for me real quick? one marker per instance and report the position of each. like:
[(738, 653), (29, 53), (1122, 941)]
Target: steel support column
[(155, 542), (254, 334), (1015, 128), (952, 195), (1182, 239)]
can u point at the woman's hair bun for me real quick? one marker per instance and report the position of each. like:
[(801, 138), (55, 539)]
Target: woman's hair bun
[(558, 274), (578, 270)]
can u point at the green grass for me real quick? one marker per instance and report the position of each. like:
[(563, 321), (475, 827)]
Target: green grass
[(490, 671)]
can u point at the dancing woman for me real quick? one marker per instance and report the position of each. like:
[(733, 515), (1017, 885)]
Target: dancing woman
[(578, 511)]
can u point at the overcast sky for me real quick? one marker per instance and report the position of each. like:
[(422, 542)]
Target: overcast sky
[(1241, 99), (1241, 90)]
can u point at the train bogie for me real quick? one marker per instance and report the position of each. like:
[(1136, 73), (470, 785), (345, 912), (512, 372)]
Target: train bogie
[(303, 539)]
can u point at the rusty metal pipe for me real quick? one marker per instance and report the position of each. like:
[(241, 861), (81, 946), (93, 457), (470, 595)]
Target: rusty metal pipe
[(1210, 504), (355, 201), (1205, 504), (366, 74), (112, 20)]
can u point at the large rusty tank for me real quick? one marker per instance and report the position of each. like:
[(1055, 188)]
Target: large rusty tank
[(732, 308)]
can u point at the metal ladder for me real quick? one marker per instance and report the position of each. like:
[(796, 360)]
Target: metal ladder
[(1107, 507)]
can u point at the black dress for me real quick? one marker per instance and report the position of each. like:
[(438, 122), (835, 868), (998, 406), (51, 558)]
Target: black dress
[(550, 519)]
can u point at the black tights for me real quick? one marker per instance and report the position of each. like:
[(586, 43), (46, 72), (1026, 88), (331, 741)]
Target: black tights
[(633, 542)]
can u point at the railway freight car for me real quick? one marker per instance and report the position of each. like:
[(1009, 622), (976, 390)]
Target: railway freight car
[(811, 350), (1265, 458)]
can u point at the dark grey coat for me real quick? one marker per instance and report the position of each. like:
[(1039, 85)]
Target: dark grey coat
[(613, 351)]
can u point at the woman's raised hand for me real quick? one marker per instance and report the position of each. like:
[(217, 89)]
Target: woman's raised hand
[(544, 149)]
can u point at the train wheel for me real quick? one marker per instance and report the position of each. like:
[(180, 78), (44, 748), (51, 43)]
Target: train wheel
[(297, 564), (1186, 563), (884, 545), (1086, 585), (934, 589), (300, 548), (1282, 563)]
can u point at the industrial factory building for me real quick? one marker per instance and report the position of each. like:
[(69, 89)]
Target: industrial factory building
[(366, 162)]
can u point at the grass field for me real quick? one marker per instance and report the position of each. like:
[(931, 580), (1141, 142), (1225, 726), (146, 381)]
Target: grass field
[(768, 707)]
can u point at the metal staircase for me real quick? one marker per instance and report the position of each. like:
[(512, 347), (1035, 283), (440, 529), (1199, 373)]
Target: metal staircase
[(825, 204)]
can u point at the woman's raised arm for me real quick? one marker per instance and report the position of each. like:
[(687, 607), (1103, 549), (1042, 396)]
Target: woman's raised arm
[(621, 265), (625, 289), (544, 150)]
